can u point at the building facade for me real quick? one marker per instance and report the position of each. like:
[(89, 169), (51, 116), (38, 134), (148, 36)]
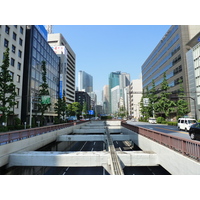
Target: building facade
[(37, 50), (193, 67), (105, 100), (67, 64), (13, 37), (122, 80), (170, 56), (85, 82), (83, 97), (135, 98)]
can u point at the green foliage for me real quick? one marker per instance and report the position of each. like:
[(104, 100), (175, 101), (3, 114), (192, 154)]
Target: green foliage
[(74, 109), (181, 104), (122, 112), (60, 108), (172, 123), (160, 120), (7, 88), (43, 91)]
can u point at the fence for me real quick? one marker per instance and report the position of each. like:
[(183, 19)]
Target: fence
[(186, 147), (13, 136)]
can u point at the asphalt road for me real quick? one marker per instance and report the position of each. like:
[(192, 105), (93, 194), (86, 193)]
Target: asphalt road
[(172, 130), (99, 146)]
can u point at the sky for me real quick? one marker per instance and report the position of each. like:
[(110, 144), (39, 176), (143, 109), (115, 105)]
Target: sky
[(102, 49)]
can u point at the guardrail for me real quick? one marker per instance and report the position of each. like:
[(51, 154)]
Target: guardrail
[(13, 136), (186, 147)]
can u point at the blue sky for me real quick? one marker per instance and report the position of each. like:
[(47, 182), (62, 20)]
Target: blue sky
[(102, 49)]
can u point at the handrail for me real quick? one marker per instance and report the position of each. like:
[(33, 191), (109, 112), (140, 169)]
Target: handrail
[(186, 147), (13, 136), (115, 163)]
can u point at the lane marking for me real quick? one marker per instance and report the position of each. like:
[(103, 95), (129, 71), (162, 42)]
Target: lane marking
[(94, 143), (83, 146), (172, 130)]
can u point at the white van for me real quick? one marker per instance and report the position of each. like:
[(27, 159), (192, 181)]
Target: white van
[(185, 123)]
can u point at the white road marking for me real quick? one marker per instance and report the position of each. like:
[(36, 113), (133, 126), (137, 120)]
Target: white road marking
[(83, 146)]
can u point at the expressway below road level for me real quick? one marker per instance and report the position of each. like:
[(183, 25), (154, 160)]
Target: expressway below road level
[(100, 146)]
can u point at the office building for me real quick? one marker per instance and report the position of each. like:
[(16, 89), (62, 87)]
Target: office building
[(135, 98), (67, 65), (105, 99), (83, 97), (115, 93), (122, 80), (13, 37), (37, 50), (85, 82), (93, 97), (193, 67), (169, 56)]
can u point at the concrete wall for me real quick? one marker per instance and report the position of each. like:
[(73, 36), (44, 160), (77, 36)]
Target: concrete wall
[(174, 162), (33, 143)]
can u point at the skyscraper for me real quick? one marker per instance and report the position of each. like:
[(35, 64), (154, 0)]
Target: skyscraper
[(85, 82), (120, 79)]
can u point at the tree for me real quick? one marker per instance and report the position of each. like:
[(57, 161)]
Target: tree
[(7, 88), (143, 108), (60, 108), (43, 106), (122, 112), (76, 108), (164, 104), (85, 109), (153, 98), (181, 104)]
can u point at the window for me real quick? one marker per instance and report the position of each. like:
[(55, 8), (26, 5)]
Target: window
[(19, 53), (13, 48), (17, 91), (7, 29), (13, 62), (20, 41), (21, 30), (12, 75), (14, 36), (18, 78), (17, 104), (19, 66), (6, 43)]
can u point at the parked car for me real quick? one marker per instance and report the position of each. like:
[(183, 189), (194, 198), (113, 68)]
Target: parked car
[(152, 121), (194, 131), (185, 123)]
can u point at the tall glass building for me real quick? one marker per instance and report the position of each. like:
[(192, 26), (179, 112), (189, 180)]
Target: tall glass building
[(37, 50), (170, 56), (120, 79), (85, 82)]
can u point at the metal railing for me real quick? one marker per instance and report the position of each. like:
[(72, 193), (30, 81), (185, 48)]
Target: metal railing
[(186, 147), (13, 136), (116, 167)]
